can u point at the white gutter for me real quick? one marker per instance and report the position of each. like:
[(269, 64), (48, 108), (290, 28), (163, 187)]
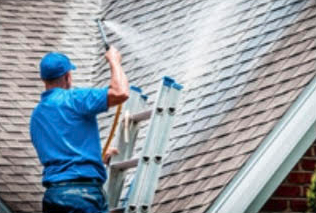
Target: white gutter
[(274, 158), (4, 208)]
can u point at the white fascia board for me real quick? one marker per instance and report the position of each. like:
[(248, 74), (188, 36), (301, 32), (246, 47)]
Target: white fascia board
[(286, 144), (283, 171)]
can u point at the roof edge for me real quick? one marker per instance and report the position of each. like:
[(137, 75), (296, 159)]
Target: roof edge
[(254, 176), (4, 208), (283, 170)]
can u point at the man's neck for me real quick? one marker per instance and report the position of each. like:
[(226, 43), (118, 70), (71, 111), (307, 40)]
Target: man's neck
[(49, 87)]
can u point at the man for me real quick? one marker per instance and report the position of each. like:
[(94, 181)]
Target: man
[(64, 131)]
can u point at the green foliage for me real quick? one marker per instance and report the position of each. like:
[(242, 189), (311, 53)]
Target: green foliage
[(311, 195)]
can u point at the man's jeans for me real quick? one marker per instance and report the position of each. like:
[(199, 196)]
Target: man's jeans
[(75, 198)]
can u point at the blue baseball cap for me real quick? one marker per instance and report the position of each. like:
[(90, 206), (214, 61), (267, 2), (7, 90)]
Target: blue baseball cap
[(54, 65)]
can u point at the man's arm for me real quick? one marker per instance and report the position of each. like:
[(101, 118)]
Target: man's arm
[(119, 89)]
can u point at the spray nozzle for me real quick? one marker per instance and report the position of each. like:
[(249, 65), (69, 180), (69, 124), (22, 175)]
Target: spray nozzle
[(101, 29)]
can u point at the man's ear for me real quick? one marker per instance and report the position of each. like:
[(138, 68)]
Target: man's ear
[(68, 79)]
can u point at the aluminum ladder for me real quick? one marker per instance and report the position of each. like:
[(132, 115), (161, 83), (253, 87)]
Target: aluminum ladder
[(149, 165)]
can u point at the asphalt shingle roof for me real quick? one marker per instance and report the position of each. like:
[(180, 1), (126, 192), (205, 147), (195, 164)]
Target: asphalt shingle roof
[(243, 64), (29, 29), (257, 62)]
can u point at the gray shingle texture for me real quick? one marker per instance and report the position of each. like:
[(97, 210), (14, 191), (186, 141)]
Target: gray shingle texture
[(242, 63), (256, 64), (29, 29)]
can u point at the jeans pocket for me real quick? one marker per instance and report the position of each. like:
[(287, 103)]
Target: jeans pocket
[(83, 198), (105, 205)]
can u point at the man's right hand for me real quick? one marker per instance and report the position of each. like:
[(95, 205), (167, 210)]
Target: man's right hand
[(119, 89), (113, 56)]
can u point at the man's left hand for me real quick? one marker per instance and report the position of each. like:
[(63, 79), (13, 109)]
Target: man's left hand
[(109, 153)]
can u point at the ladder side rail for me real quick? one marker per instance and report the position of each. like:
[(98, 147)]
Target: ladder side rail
[(113, 185), (128, 106), (157, 116), (116, 177), (140, 171), (172, 110), (154, 126), (150, 148), (134, 129), (133, 134), (152, 179)]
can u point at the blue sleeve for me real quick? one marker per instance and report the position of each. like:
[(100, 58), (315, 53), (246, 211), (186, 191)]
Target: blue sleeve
[(90, 101)]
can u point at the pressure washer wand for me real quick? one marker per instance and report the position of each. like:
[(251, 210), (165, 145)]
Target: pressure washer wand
[(105, 40), (119, 108)]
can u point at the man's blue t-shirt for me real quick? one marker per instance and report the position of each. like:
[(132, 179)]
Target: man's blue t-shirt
[(64, 131)]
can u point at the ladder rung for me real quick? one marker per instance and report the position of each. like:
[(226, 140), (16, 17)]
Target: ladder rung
[(125, 164), (117, 210), (141, 116)]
